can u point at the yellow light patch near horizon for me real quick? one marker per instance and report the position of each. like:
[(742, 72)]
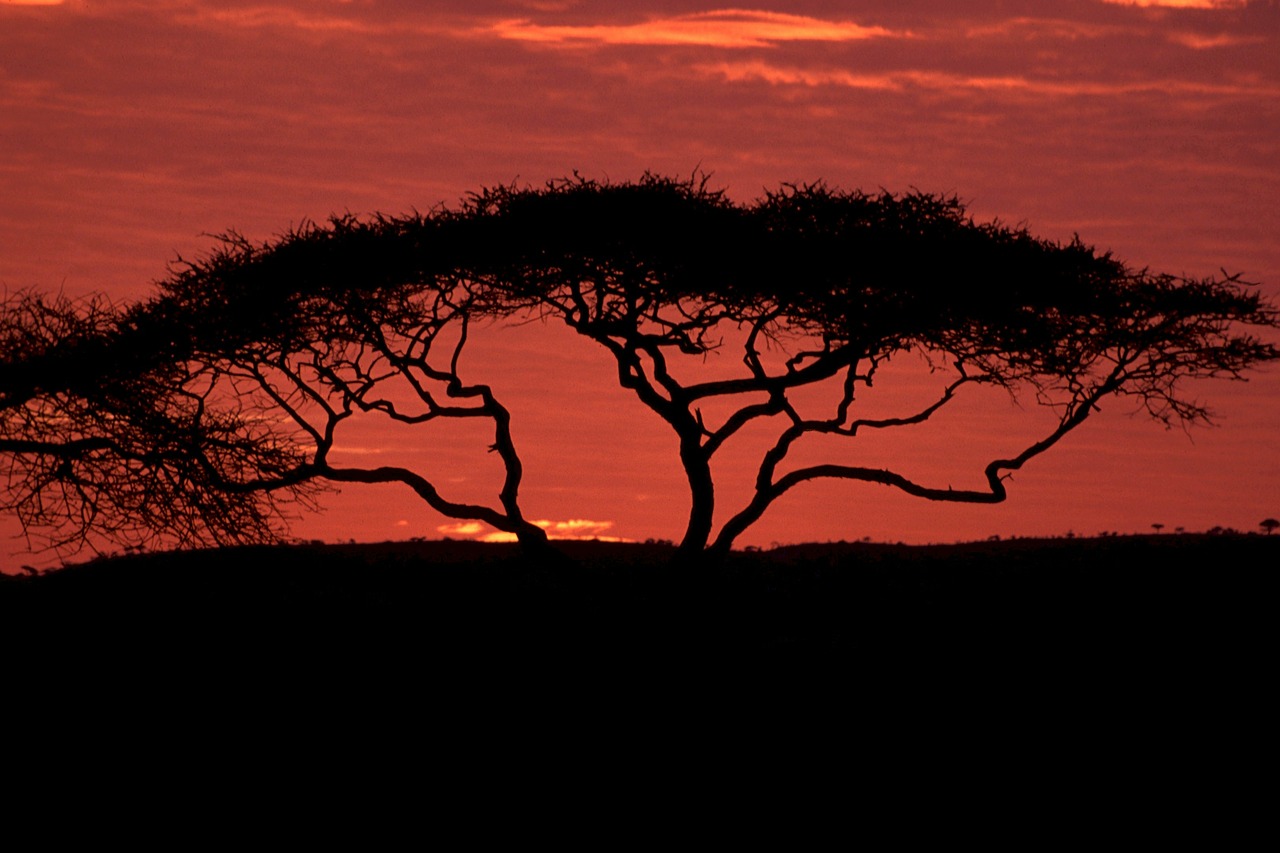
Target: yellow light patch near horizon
[(573, 528)]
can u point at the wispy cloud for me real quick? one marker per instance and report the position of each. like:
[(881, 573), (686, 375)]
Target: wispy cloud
[(735, 72), (1181, 4), (1198, 41), (939, 80), (730, 28), (1055, 29), (281, 17)]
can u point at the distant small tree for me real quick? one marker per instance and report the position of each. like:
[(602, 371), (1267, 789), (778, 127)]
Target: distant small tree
[(207, 411), (1157, 527), (1268, 525)]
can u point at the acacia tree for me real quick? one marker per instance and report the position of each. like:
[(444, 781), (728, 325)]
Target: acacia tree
[(364, 319), (203, 414), (102, 436), (234, 381), (833, 285)]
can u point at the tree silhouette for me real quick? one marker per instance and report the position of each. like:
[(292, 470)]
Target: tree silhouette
[(818, 285), (202, 415), (102, 433), (1269, 525), (230, 385)]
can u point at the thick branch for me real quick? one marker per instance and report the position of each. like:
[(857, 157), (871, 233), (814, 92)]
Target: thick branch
[(768, 490), (425, 490)]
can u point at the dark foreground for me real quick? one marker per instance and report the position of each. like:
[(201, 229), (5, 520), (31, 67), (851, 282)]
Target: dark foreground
[(1061, 681), (1123, 607), (1148, 655)]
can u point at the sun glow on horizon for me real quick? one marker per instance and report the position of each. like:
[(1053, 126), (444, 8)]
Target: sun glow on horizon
[(569, 529)]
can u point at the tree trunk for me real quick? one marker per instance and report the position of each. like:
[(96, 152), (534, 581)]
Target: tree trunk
[(533, 541), (702, 499)]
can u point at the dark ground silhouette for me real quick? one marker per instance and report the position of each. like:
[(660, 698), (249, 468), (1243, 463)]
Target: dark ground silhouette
[(1149, 602), (465, 664)]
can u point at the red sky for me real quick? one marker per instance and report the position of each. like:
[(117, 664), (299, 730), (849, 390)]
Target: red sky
[(130, 129)]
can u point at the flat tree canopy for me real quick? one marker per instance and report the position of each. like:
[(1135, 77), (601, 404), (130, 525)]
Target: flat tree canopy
[(206, 412)]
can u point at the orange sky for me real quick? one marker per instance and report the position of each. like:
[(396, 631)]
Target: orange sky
[(131, 128)]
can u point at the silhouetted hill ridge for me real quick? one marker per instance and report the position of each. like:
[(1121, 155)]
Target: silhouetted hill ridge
[(834, 598)]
